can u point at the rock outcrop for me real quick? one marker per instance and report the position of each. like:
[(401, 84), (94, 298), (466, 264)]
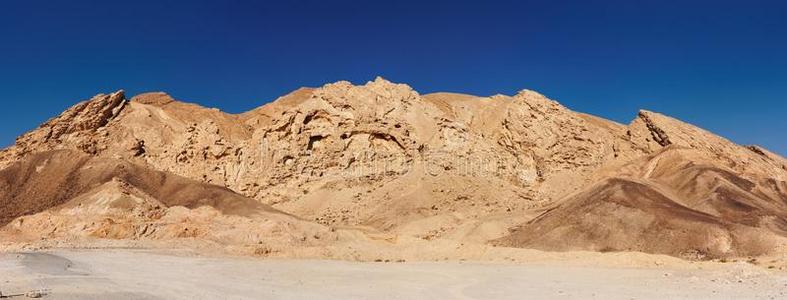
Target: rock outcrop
[(382, 159), (79, 126)]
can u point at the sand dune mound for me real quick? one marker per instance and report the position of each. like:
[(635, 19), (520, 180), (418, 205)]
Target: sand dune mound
[(65, 195), (670, 204), (390, 165), (622, 215), (49, 179)]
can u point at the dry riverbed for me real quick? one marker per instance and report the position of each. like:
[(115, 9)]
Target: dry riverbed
[(136, 274)]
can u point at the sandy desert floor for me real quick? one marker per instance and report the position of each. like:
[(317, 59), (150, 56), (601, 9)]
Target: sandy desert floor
[(139, 274)]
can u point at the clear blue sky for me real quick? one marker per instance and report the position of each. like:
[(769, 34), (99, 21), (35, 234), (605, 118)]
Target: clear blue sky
[(721, 65)]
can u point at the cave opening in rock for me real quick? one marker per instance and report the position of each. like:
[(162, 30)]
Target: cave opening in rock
[(314, 141)]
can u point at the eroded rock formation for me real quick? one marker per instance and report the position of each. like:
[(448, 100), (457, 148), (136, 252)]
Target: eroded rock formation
[(381, 159)]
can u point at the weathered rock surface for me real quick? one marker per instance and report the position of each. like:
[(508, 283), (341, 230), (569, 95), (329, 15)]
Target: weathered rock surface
[(383, 159)]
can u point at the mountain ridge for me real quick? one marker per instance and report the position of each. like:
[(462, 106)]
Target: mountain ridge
[(382, 159)]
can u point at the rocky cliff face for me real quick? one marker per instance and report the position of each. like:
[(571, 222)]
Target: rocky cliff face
[(79, 126), (443, 166)]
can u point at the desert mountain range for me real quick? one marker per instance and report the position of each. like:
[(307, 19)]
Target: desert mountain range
[(361, 172)]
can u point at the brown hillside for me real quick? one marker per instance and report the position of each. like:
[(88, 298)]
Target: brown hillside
[(385, 162)]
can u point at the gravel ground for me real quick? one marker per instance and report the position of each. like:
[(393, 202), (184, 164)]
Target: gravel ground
[(133, 274)]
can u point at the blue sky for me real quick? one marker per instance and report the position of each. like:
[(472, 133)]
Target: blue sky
[(717, 64)]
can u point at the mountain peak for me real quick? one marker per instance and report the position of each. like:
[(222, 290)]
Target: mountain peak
[(153, 98)]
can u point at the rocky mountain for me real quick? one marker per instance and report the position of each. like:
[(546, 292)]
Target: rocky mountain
[(380, 162)]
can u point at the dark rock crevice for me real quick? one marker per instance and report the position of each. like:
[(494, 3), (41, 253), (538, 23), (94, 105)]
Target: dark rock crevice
[(659, 135)]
